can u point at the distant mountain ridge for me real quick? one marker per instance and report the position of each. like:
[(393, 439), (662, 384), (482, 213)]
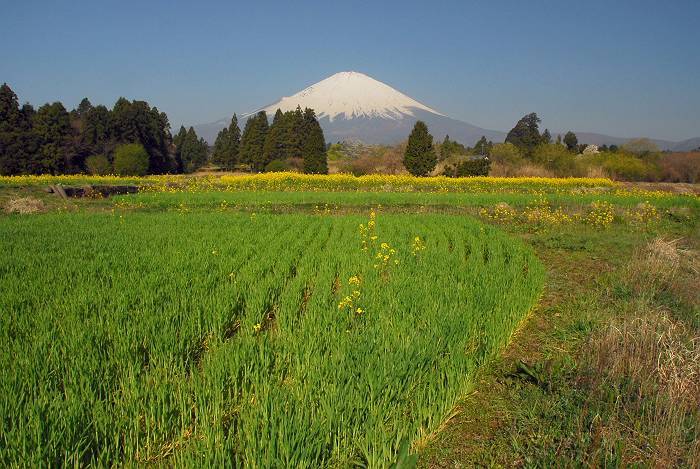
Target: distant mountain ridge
[(354, 106)]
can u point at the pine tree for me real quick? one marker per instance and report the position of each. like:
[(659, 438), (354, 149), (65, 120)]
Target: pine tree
[(273, 148), (10, 117), (482, 146), (227, 145), (419, 158), (313, 144), (192, 150), (446, 148), (526, 134), (546, 137), (571, 141), (253, 141), (52, 129)]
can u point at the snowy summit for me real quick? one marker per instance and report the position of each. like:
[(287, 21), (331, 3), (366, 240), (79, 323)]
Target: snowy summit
[(351, 95)]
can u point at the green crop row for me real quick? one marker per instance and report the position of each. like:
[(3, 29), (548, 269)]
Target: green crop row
[(219, 339)]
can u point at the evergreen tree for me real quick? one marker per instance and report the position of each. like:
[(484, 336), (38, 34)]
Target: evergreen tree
[(546, 136), (137, 122), (483, 146), (10, 119), (571, 141), (274, 146), (253, 141), (51, 127), (83, 108), (294, 133), (313, 144), (419, 158), (526, 134), (227, 145), (446, 148), (192, 150)]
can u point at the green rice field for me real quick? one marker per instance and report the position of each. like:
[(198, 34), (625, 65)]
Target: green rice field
[(227, 338)]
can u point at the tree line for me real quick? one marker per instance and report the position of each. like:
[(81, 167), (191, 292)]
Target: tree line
[(134, 138), (294, 140)]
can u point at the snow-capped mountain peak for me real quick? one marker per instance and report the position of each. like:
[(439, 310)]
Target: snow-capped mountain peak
[(350, 95)]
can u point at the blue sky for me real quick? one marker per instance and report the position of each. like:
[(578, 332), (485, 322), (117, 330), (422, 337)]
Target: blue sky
[(626, 68)]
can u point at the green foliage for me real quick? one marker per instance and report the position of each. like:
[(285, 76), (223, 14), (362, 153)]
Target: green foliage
[(253, 141), (137, 122), (571, 141), (546, 136), (18, 144), (558, 159), (526, 134), (227, 145), (98, 165), (419, 157), (505, 153), (450, 147), (469, 167), (313, 145), (131, 159), (52, 130), (626, 167), (483, 147), (640, 147), (191, 151), (277, 166)]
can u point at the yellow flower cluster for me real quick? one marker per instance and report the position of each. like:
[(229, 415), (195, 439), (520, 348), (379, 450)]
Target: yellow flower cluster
[(349, 303), (322, 183), (540, 213), (368, 235), (417, 246), (384, 257), (643, 214), (601, 215), (501, 213)]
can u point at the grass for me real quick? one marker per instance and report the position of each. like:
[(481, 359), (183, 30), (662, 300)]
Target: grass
[(230, 338), (602, 373), (605, 372)]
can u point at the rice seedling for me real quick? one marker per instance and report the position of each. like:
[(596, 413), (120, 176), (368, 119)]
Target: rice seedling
[(192, 338)]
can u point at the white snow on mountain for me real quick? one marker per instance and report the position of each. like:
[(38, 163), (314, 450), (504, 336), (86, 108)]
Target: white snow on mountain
[(351, 95)]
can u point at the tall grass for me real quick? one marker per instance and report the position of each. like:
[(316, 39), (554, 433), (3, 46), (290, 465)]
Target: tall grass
[(216, 338)]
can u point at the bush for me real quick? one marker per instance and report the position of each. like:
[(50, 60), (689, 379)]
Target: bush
[(475, 167), (555, 157), (98, 165), (680, 167), (506, 153), (277, 166), (130, 160), (626, 167)]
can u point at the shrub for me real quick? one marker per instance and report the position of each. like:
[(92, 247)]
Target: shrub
[(470, 167), (506, 153), (130, 160), (557, 158), (640, 146), (680, 167), (626, 167), (277, 166), (98, 165)]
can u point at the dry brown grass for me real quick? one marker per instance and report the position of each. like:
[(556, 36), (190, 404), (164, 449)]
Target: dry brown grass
[(665, 266), (650, 366), (647, 364), (24, 205)]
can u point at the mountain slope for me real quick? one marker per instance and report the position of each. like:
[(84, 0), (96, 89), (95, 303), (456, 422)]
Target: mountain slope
[(354, 106)]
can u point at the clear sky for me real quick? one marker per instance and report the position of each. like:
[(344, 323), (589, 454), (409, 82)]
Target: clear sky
[(625, 68)]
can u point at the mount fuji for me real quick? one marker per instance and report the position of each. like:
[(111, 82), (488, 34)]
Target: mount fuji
[(354, 106)]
